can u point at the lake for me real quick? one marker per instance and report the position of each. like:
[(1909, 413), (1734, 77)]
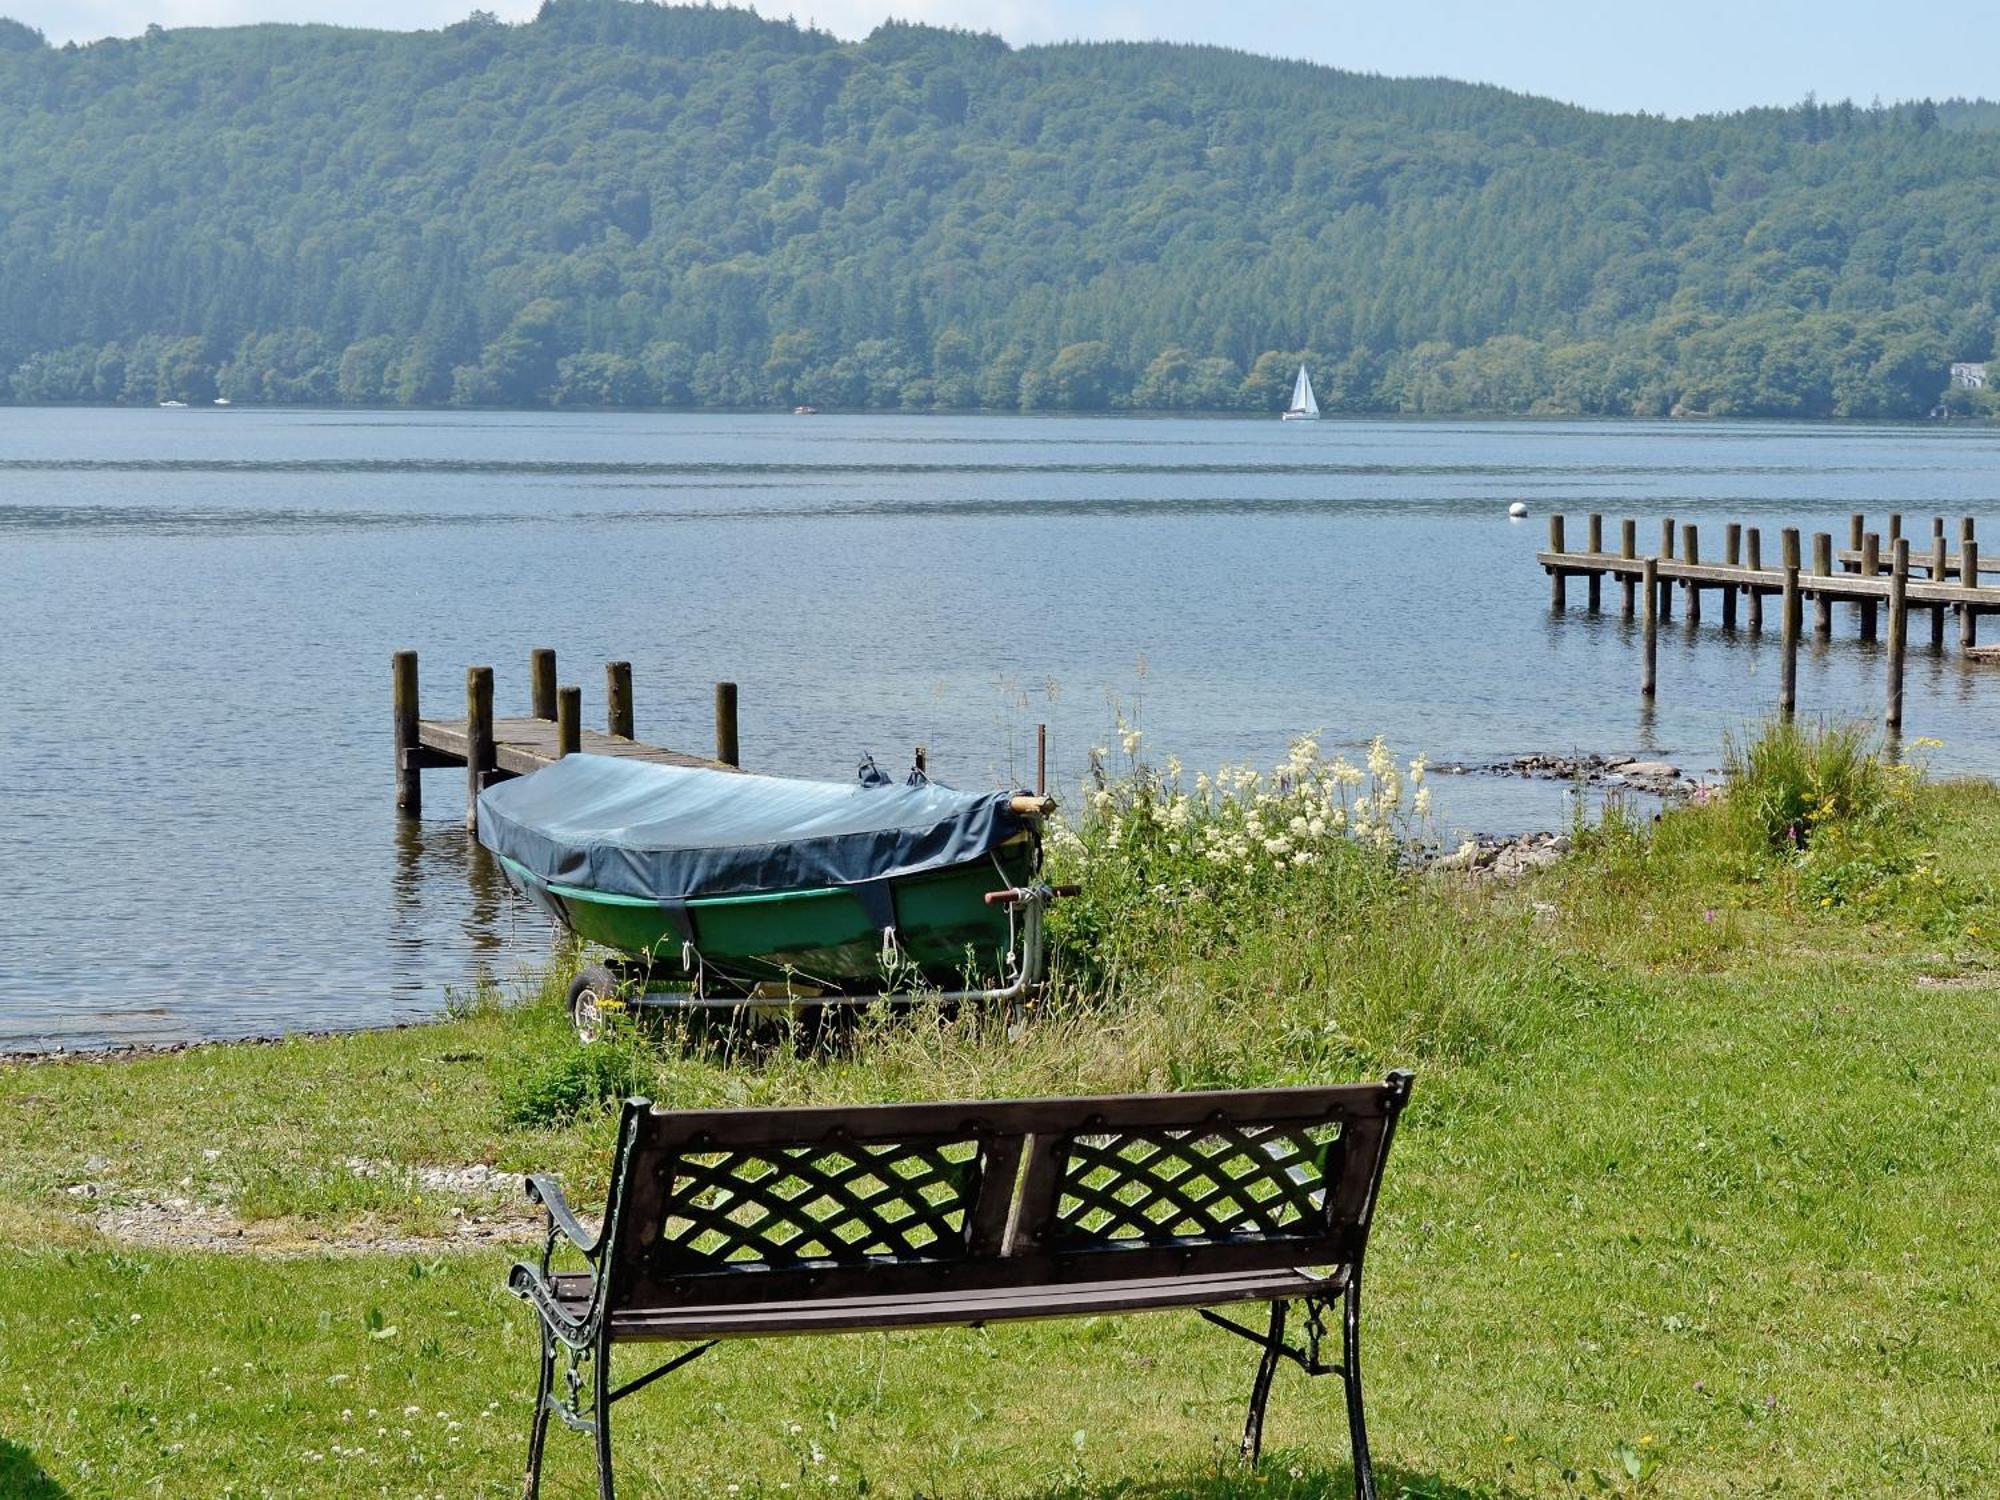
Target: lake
[(197, 610)]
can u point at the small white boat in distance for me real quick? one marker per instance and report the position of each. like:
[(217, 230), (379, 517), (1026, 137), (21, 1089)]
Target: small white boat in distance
[(1303, 407), (221, 400), (173, 403)]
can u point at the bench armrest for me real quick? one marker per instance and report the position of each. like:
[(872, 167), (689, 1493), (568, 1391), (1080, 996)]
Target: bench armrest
[(546, 1191)]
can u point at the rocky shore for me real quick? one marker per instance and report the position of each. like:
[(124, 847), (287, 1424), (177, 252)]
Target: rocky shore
[(1656, 778)]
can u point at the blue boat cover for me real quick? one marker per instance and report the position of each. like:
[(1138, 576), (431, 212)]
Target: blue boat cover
[(673, 833)]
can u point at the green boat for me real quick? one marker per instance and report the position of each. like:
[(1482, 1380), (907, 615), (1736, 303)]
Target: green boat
[(714, 888)]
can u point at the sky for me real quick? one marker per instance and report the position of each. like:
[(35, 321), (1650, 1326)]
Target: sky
[(1688, 57)]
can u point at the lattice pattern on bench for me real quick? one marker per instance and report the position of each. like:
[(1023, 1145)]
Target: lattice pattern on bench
[(854, 1203), (1137, 1188)]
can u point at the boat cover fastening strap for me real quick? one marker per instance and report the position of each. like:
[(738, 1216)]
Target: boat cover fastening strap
[(676, 833)]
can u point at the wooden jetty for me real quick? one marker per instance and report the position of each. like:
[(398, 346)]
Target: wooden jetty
[(1872, 575), (493, 749)]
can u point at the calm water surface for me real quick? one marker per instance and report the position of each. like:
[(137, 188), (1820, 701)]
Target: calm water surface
[(197, 610)]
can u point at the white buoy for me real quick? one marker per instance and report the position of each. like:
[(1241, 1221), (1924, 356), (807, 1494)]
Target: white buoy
[(1518, 509)]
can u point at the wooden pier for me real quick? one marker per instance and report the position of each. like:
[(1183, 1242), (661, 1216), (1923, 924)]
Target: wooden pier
[(493, 749), (1873, 575)]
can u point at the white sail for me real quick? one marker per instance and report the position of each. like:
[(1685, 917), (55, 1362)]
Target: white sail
[(1303, 405)]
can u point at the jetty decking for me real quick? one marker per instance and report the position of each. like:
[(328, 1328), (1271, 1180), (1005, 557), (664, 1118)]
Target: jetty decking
[(1872, 575), (493, 749)]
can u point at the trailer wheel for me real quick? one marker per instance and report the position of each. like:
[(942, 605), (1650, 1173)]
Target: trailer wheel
[(593, 992)]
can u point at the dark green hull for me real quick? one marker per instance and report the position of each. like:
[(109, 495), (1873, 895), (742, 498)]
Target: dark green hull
[(822, 937)]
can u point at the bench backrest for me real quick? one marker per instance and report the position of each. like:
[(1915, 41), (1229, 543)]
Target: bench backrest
[(718, 1206)]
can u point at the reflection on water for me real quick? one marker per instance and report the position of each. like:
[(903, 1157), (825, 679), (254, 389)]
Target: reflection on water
[(197, 611), (448, 891)]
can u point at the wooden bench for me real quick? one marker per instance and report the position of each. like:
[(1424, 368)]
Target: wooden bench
[(726, 1224)]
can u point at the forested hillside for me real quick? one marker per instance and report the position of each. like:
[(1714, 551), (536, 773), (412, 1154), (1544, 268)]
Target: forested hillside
[(630, 204)]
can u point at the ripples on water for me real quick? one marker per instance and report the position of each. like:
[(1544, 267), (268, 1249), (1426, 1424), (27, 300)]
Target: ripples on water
[(198, 607)]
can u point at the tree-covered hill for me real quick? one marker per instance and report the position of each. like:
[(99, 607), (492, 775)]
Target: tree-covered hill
[(634, 204)]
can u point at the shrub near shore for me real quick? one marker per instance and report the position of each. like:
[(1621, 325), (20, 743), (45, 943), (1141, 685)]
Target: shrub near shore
[(1695, 1195)]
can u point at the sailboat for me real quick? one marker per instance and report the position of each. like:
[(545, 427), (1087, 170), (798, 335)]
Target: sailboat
[(1303, 407)]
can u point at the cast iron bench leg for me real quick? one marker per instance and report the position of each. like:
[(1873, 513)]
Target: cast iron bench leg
[(1350, 1376), (602, 1414), (538, 1431), (1260, 1388)]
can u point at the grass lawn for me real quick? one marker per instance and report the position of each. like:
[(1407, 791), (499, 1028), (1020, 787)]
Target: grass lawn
[(1699, 1193)]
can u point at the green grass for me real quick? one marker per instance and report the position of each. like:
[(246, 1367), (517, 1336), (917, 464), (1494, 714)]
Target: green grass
[(1696, 1196)]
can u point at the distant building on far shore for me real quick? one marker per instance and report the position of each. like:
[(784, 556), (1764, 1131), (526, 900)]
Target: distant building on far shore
[(1971, 377)]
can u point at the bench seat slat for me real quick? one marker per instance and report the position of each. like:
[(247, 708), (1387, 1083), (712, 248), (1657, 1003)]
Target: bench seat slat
[(954, 1308)]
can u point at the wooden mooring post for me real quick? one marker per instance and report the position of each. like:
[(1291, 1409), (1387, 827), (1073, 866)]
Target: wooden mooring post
[(618, 698), (1595, 583), (1666, 553), (1822, 567), (1753, 558), (1649, 586), (1788, 672), (569, 721), (1968, 574), (542, 682), (1691, 552), (725, 724), (1938, 555), (409, 752), (1732, 553), (1871, 567), (479, 762), (1899, 629), (1558, 580), (1628, 548), (1041, 760)]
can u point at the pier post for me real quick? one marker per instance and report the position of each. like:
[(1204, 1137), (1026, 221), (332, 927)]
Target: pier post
[(1895, 530), (1595, 536), (921, 759), (1937, 526), (1899, 630), (1558, 591), (1968, 568), (1732, 553), (1857, 525), (1754, 559), (1938, 545), (542, 682), (409, 762), (1041, 760), (1788, 678), (1691, 546), (1666, 555), (1823, 568), (1871, 569), (1628, 547), (478, 738), (1649, 672), (725, 724), (618, 698), (569, 721)]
